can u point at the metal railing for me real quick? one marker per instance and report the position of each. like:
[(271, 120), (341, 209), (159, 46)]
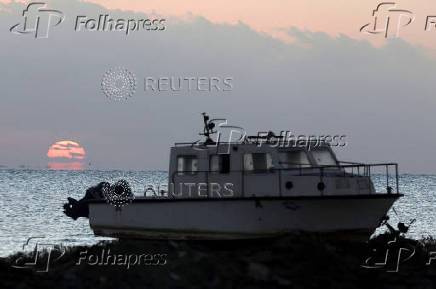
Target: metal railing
[(348, 170)]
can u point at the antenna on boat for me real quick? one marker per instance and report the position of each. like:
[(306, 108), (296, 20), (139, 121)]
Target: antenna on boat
[(209, 125)]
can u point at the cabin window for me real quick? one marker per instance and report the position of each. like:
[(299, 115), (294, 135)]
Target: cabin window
[(187, 165), (220, 163), (294, 159), (257, 162), (323, 157)]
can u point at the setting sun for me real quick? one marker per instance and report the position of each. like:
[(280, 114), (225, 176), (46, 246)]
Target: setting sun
[(66, 155)]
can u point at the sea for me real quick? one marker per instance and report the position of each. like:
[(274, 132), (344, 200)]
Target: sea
[(31, 204)]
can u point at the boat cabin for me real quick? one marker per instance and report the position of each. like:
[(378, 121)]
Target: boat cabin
[(266, 167), (249, 170)]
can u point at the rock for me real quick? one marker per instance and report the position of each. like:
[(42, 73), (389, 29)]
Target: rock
[(258, 271), (300, 261), (174, 276), (70, 276), (173, 244), (199, 256), (281, 281)]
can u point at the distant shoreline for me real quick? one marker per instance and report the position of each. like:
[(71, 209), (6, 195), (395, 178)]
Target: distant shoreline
[(149, 170)]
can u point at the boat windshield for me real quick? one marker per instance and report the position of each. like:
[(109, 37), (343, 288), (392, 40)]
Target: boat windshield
[(324, 157), (293, 159)]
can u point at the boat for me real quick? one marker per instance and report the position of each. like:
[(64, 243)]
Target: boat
[(261, 186)]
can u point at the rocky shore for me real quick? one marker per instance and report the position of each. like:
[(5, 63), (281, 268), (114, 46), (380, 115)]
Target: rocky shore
[(296, 261)]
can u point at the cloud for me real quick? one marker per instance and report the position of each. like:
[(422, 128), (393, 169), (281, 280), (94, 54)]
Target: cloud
[(382, 98)]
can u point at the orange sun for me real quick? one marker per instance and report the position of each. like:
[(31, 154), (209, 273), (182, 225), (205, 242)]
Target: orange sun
[(66, 155)]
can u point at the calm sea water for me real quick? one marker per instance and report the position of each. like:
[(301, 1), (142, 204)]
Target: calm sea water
[(31, 203)]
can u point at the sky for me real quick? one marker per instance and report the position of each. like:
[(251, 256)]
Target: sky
[(302, 66), (274, 17)]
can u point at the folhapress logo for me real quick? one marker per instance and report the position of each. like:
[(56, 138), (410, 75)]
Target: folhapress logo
[(38, 19), (44, 254), (387, 20)]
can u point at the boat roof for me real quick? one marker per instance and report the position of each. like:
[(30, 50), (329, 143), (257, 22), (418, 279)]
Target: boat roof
[(274, 144)]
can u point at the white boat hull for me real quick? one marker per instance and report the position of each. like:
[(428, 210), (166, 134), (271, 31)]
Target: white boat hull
[(240, 218)]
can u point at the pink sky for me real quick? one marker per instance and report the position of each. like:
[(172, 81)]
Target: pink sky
[(333, 17)]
